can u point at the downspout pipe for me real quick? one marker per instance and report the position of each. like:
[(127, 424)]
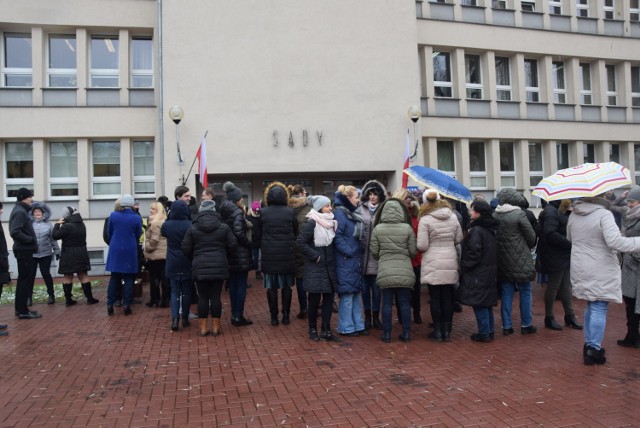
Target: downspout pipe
[(161, 99)]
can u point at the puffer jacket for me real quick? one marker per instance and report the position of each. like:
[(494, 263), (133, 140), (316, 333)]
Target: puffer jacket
[(301, 208), (439, 232), (43, 228), (319, 262), (207, 243), (21, 230), (348, 248), (241, 256), (178, 265), (515, 238), (74, 256), (554, 249), (279, 230), (631, 261), (393, 244), (155, 245), (595, 237)]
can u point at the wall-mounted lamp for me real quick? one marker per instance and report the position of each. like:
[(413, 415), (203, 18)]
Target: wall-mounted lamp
[(176, 114), (414, 114)]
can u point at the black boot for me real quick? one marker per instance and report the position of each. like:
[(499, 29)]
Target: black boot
[(446, 332), (313, 334), (286, 304), (417, 319), (272, 299), (175, 324), (67, 294), (550, 322), (436, 334), (571, 321), (376, 320), (367, 319), (594, 356), (86, 288), (386, 337), (326, 335)]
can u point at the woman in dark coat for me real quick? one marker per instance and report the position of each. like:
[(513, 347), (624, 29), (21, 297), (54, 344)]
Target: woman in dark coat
[(74, 257), (178, 265), (279, 229), (301, 207), (479, 265), (315, 243), (207, 243)]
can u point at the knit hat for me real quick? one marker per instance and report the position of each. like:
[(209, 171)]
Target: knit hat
[(207, 206), (23, 193), (234, 194), (127, 201), (68, 211), (430, 195), (319, 201), (255, 205), (634, 194)]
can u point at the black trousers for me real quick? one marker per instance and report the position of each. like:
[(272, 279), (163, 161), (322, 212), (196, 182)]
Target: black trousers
[(327, 309), (44, 263), (25, 281), (442, 298), (209, 292)]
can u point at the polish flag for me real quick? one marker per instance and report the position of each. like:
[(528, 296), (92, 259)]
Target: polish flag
[(405, 177), (202, 162)]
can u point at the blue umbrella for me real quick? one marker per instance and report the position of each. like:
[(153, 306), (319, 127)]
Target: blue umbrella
[(440, 181)]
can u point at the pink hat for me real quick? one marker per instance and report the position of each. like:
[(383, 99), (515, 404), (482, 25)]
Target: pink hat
[(255, 205)]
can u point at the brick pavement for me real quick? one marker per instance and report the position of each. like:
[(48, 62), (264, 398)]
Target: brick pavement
[(78, 367)]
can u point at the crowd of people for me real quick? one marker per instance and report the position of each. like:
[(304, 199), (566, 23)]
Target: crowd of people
[(372, 248)]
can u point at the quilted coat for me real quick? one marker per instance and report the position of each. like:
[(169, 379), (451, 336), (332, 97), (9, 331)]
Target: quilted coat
[(348, 248), (241, 257), (319, 275), (279, 229), (439, 232), (367, 211), (393, 244), (554, 249), (631, 261), (43, 228), (595, 238), (515, 238), (178, 265)]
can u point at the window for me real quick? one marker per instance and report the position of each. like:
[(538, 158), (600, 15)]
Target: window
[(62, 61), (612, 95), (446, 157), (19, 167), (503, 79), (582, 8), (614, 152), (636, 156), (586, 95), (17, 60), (507, 164), (473, 76), (609, 9), (559, 87), (555, 7), (106, 168), (468, 2), (528, 5), (477, 164), (141, 62), (143, 168), (635, 86), (634, 11), (443, 87), (536, 170), (499, 4), (531, 80), (589, 152), (63, 169), (562, 151), (105, 65)]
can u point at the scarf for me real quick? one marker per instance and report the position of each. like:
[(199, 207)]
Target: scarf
[(356, 218), (325, 229)]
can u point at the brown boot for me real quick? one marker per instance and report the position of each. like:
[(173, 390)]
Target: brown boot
[(216, 330), (203, 328)]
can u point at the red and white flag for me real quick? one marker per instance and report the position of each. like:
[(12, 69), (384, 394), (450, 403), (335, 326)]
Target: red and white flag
[(202, 162), (405, 177)]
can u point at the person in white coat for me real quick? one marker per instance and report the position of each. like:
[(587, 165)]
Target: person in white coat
[(595, 269)]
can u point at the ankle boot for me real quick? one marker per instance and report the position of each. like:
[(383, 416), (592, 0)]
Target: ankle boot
[(215, 327), (386, 337), (376, 320), (550, 322), (52, 299), (436, 334), (175, 324), (594, 356), (286, 304), (406, 337), (571, 321), (67, 294), (203, 328), (86, 288), (313, 334), (272, 299), (446, 332), (367, 319), (327, 336)]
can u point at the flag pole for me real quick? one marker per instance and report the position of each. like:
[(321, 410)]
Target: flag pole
[(194, 160)]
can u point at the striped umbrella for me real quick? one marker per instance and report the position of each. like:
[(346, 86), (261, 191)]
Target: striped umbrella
[(589, 179), (439, 181)]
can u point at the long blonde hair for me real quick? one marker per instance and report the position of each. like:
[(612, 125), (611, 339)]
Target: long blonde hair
[(160, 216)]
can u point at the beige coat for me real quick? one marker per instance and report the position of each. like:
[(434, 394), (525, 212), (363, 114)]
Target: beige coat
[(439, 233), (155, 245)]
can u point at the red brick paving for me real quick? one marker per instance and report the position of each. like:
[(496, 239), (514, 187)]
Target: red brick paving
[(78, 367)]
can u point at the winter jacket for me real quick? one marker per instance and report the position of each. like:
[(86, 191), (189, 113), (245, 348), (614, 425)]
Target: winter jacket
[(300, 208), (369, 263), (177, 265), (319, 262), (439, 232), (207, 243), (595, 238), (21, 230), (5, 278), (279, 230), (348, 247), (155, 245), (515, 238), (256, 232), (43, 228), (74, 256), (631, 261), (241, 255), (393, 244), (479, 265), (554, 249), (125, 229)]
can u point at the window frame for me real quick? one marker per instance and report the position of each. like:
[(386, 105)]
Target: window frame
[(104, 73), (507, 174), (530, 5), (15, 183), (609, 8), (452, 173), (69, 179), (538, 174), (562, 151), (501, 88), (141, 72), (635, 85), (583, 5), (559, 82), (7, 71), (480, 173), (111, 179), (532, 92), (447, 85), (472, 88), (584, 91), (612, 90), (142, 179), (555, 7), (634, 10), (61, 72), (499, 4), (589, 152)]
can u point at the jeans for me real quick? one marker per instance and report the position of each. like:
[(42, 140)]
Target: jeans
[(484, 319), (180, 288), (256, 259), (24, 282), (302, 295), (595, 320), (371, 294), (350, 313), (526, 311), (209, 292), (403, 296), (44, 263), (113, 290), (237, 292)]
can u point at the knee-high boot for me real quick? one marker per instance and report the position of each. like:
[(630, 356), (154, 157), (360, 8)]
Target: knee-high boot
[(86, 288), (67, 294), (272, 298), (286, 304), (367, 319)]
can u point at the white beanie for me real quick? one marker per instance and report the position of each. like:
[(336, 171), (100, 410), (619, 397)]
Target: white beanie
[(425, 195)]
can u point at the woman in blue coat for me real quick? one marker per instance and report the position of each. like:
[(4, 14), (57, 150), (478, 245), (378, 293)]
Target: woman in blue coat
[(124, 229), (349, 262)]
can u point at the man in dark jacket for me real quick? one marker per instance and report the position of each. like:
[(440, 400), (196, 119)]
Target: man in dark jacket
[(24, 245)]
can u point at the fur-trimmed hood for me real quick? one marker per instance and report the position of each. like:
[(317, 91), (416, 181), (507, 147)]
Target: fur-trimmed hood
[(276, 193), (376, 186), (298, 201), (431, 207), (565, 206)]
